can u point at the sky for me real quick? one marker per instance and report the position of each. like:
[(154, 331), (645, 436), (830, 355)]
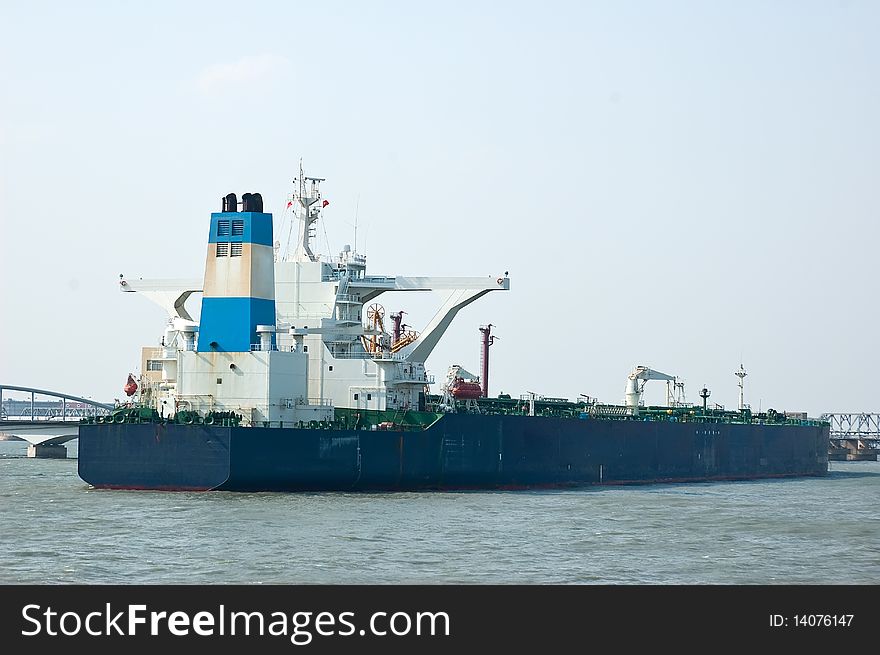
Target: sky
[(683, 185)]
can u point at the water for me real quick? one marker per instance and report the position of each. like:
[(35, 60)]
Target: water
[(54, 529)]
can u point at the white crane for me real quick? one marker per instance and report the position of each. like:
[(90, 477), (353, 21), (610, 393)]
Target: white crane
[(636, 381)]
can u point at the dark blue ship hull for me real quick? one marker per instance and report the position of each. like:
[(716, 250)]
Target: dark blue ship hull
[(459, 451)]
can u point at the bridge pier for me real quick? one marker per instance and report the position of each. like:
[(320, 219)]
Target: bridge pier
[(55, 451), (851, 450)]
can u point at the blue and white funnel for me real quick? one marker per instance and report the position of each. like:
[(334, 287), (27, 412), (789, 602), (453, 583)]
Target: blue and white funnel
[(239, 289)]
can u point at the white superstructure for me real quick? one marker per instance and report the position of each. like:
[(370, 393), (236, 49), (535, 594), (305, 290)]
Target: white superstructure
[(327, 323)]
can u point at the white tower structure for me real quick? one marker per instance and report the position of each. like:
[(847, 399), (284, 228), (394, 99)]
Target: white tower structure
[(307, 194), (741, 374)]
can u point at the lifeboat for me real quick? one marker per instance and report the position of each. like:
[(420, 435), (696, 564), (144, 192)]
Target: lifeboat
[(466, 390)]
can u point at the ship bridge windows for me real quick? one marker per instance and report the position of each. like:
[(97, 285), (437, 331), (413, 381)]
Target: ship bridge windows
[(235, 249), (223, 228), (154, 365), (237, 227)]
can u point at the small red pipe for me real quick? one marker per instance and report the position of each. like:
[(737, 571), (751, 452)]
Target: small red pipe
[(484, 357), (398, 321)]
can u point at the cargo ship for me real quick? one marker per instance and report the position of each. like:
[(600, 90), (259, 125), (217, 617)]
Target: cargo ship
[(290, 380)]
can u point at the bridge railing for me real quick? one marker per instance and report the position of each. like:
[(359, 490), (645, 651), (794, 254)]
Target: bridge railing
[(67, 407)]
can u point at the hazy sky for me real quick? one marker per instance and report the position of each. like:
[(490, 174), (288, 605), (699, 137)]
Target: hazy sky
[(685, 185)]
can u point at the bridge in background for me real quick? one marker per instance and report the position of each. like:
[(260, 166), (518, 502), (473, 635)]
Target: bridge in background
[(854, 436), (45, 424)]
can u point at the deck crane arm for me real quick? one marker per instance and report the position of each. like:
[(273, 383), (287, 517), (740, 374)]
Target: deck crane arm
[(635, 384)]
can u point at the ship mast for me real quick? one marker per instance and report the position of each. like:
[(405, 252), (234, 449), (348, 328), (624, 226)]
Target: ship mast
[(307, 194), (741, 374)]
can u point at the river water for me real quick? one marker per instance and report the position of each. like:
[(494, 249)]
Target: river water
[(54, 529)]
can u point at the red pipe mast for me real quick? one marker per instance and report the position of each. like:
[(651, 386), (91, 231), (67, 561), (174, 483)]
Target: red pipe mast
[(398, 326), (488, 340)]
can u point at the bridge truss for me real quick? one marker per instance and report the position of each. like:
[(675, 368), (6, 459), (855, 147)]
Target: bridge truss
[(854, 426), (71, 407)]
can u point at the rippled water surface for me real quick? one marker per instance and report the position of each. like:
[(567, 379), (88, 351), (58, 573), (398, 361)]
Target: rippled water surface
[(53, 528)]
